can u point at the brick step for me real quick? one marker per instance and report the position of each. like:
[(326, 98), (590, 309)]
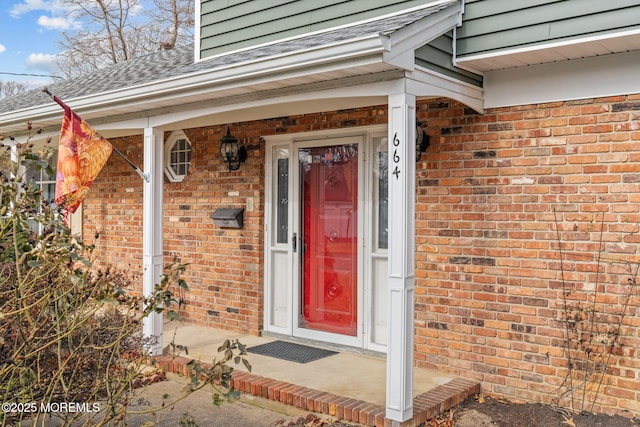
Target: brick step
[(426, 405)]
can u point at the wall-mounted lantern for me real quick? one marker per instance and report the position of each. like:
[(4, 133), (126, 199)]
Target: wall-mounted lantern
[(231, 153), (422, 142)]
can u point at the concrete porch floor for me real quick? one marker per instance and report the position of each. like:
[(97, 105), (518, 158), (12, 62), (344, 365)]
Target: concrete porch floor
[(347, 386)]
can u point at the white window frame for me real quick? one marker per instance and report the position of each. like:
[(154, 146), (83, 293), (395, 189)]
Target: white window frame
[(173, 139)]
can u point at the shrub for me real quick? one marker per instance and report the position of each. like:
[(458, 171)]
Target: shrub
[(69, 333)]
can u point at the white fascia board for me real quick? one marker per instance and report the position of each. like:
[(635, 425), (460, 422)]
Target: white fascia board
[(600, 76), (427, 83), (197, 25), (466, 62), (336, 56), (16, 120), (362, 94), (405, 41)]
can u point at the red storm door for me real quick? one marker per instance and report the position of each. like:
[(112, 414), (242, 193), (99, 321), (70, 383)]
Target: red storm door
[(330, 219)]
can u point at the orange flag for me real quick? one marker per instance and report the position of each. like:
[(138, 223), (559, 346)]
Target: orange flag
[(82, 153)]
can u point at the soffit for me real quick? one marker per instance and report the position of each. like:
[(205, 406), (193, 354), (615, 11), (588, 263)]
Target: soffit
[(549, 53)]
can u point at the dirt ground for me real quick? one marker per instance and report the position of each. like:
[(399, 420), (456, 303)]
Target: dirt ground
[(486, 412)]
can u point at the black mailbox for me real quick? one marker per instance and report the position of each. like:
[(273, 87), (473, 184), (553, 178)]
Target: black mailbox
[(228, 217)]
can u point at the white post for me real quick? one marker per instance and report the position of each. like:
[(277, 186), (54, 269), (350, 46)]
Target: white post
[(14, 154), (152, 231), (402, 167)]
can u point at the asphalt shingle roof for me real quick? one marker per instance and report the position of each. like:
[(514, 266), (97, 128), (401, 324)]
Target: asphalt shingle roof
[(176, 62)]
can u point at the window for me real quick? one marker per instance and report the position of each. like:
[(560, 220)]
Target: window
[(46, 183), (381, 193), (280, 168), (177, 156), (283, 200)]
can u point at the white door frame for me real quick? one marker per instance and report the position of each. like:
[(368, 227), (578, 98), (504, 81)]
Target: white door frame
[(276, 253)]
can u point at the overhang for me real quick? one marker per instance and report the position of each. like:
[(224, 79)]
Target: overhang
[(559, 51), (170, 81)]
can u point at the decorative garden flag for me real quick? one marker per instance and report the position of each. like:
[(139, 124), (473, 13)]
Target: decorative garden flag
[(82, 154)]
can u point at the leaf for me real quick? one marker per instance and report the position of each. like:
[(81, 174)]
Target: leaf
[(148, 423), (224, 346), (242, 348), (568, 421), (172, 315), (246, 364)]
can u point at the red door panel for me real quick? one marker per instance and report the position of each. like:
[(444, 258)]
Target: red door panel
[(330, 203)]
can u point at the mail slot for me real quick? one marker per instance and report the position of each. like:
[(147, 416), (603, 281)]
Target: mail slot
[(228, 217)]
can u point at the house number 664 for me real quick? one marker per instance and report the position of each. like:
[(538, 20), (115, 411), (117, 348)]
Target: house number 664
[(396, 158)]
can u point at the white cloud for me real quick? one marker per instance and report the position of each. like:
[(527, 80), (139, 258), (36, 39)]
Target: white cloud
[(30, 5), (53, 23), (2, 48), (42, 61)]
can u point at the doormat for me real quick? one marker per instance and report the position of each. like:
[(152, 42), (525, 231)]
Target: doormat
[(292, 352)]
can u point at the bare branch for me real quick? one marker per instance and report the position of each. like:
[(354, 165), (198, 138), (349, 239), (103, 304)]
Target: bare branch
[(119, 30)]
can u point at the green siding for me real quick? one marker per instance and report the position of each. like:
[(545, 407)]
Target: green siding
[(495, 25), (437, 56), (228, 25)]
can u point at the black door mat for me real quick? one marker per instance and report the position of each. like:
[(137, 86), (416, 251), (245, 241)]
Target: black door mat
[(292, 352)]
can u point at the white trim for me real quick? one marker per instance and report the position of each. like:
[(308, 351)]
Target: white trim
[(428, 83), (152, 238), (460, 61), (372, 253), (318, 138), (324, 31), (269, 248), (351, 53), (170, 142), (323, 134), (402, 188), (198, 26), (401, 44), (608, 75)]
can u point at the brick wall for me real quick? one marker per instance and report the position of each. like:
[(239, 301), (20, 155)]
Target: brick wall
[(488, 276), (489, 289), (225, 272)]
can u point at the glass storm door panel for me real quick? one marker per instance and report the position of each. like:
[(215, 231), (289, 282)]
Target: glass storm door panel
[(329, 219)]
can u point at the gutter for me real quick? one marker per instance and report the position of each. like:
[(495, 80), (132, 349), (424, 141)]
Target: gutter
[(368, 49)]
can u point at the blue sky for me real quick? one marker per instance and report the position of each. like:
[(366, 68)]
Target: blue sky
[(28, 33), (28, 29)]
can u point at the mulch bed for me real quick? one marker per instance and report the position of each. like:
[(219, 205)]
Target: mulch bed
[(487, 412), (503, 413)]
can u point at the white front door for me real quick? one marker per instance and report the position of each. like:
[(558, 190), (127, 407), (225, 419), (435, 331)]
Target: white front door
[(326, 234)]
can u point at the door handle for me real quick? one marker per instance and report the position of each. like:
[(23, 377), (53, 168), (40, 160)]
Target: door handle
[(294, 242)]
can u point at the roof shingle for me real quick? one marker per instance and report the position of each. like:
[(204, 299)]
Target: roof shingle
[(179, 61)]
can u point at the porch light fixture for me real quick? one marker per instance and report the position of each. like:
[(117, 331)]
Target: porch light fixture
[(231, 153), (422, 142)]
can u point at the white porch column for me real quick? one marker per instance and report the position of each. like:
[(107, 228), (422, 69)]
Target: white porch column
[(402, 168), (152, 230)]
